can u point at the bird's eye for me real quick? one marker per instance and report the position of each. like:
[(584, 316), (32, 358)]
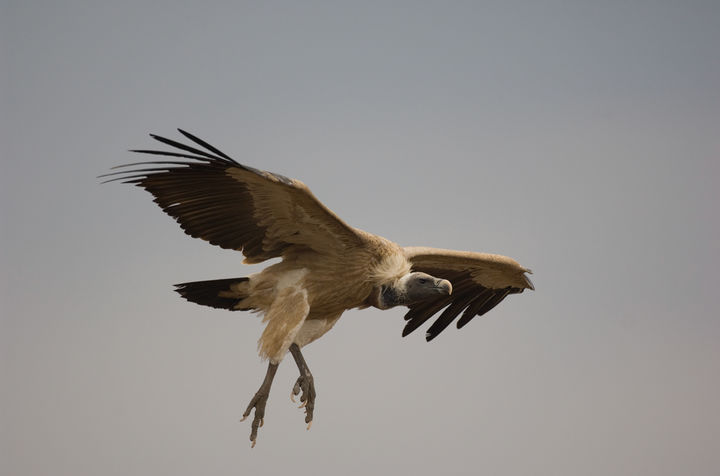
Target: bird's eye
[(422, 280)]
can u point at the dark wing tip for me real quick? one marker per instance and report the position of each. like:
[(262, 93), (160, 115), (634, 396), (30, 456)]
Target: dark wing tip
[(207, 146), (407, 330), (469, 304), (219, 156)]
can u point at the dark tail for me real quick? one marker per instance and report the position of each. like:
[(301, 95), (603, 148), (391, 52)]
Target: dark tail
[(217, 293)]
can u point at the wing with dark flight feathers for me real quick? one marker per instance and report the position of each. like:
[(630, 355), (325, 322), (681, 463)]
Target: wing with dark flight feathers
[(480, 282), (234, 206)]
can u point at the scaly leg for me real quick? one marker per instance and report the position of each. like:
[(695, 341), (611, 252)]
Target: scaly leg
[(258, 403), (305, 383)]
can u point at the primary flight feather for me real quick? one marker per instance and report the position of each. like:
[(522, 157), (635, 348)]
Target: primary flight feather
[(327, 266)]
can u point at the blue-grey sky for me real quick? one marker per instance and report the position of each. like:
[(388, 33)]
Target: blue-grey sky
[(580, 138)]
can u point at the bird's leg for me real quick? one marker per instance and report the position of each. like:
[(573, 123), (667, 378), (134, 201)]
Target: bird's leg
[(258, 402), (305, 383)]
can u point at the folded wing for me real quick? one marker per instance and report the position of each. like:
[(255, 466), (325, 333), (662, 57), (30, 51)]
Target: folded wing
[(234, 206), (480, 282)]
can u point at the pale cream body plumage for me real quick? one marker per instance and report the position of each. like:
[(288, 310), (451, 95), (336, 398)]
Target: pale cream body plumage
[(327, 266), (301, 297)]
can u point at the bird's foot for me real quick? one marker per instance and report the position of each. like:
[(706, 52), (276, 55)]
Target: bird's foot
[(258, 402), (306, 384)]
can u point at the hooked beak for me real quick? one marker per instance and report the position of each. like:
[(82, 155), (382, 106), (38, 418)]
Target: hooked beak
[(443, 286)]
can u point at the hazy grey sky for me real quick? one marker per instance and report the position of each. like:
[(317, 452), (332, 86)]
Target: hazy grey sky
[(580, 138)]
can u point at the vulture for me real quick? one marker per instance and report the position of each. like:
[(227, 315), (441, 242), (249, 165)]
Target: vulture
[(326, 267)]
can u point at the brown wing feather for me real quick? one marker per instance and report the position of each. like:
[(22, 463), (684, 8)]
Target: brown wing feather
[(480, 282), (234, 206)]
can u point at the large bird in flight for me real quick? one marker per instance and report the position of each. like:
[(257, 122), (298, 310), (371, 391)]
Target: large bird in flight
[(327, 266)]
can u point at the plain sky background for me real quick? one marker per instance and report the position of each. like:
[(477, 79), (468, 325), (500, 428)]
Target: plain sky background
[(580, 138)]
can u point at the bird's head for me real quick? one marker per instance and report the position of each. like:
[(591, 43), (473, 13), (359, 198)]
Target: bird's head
[(421, 286)]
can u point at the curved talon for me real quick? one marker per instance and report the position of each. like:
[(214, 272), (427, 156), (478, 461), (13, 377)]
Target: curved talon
[(309, 425), (252, 445), (243, 418), (302, 405), (262, 422), (292, 397)]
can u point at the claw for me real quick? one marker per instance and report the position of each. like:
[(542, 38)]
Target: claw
[(292, 397), (302, 405), (262, 422), (243, 418), (309, 425), (252, 445)]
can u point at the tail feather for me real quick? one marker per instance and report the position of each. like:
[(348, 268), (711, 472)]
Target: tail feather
[(217, 293)]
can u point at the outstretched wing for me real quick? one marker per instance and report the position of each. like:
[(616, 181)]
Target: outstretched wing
[(234, 206), (480, 282)]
